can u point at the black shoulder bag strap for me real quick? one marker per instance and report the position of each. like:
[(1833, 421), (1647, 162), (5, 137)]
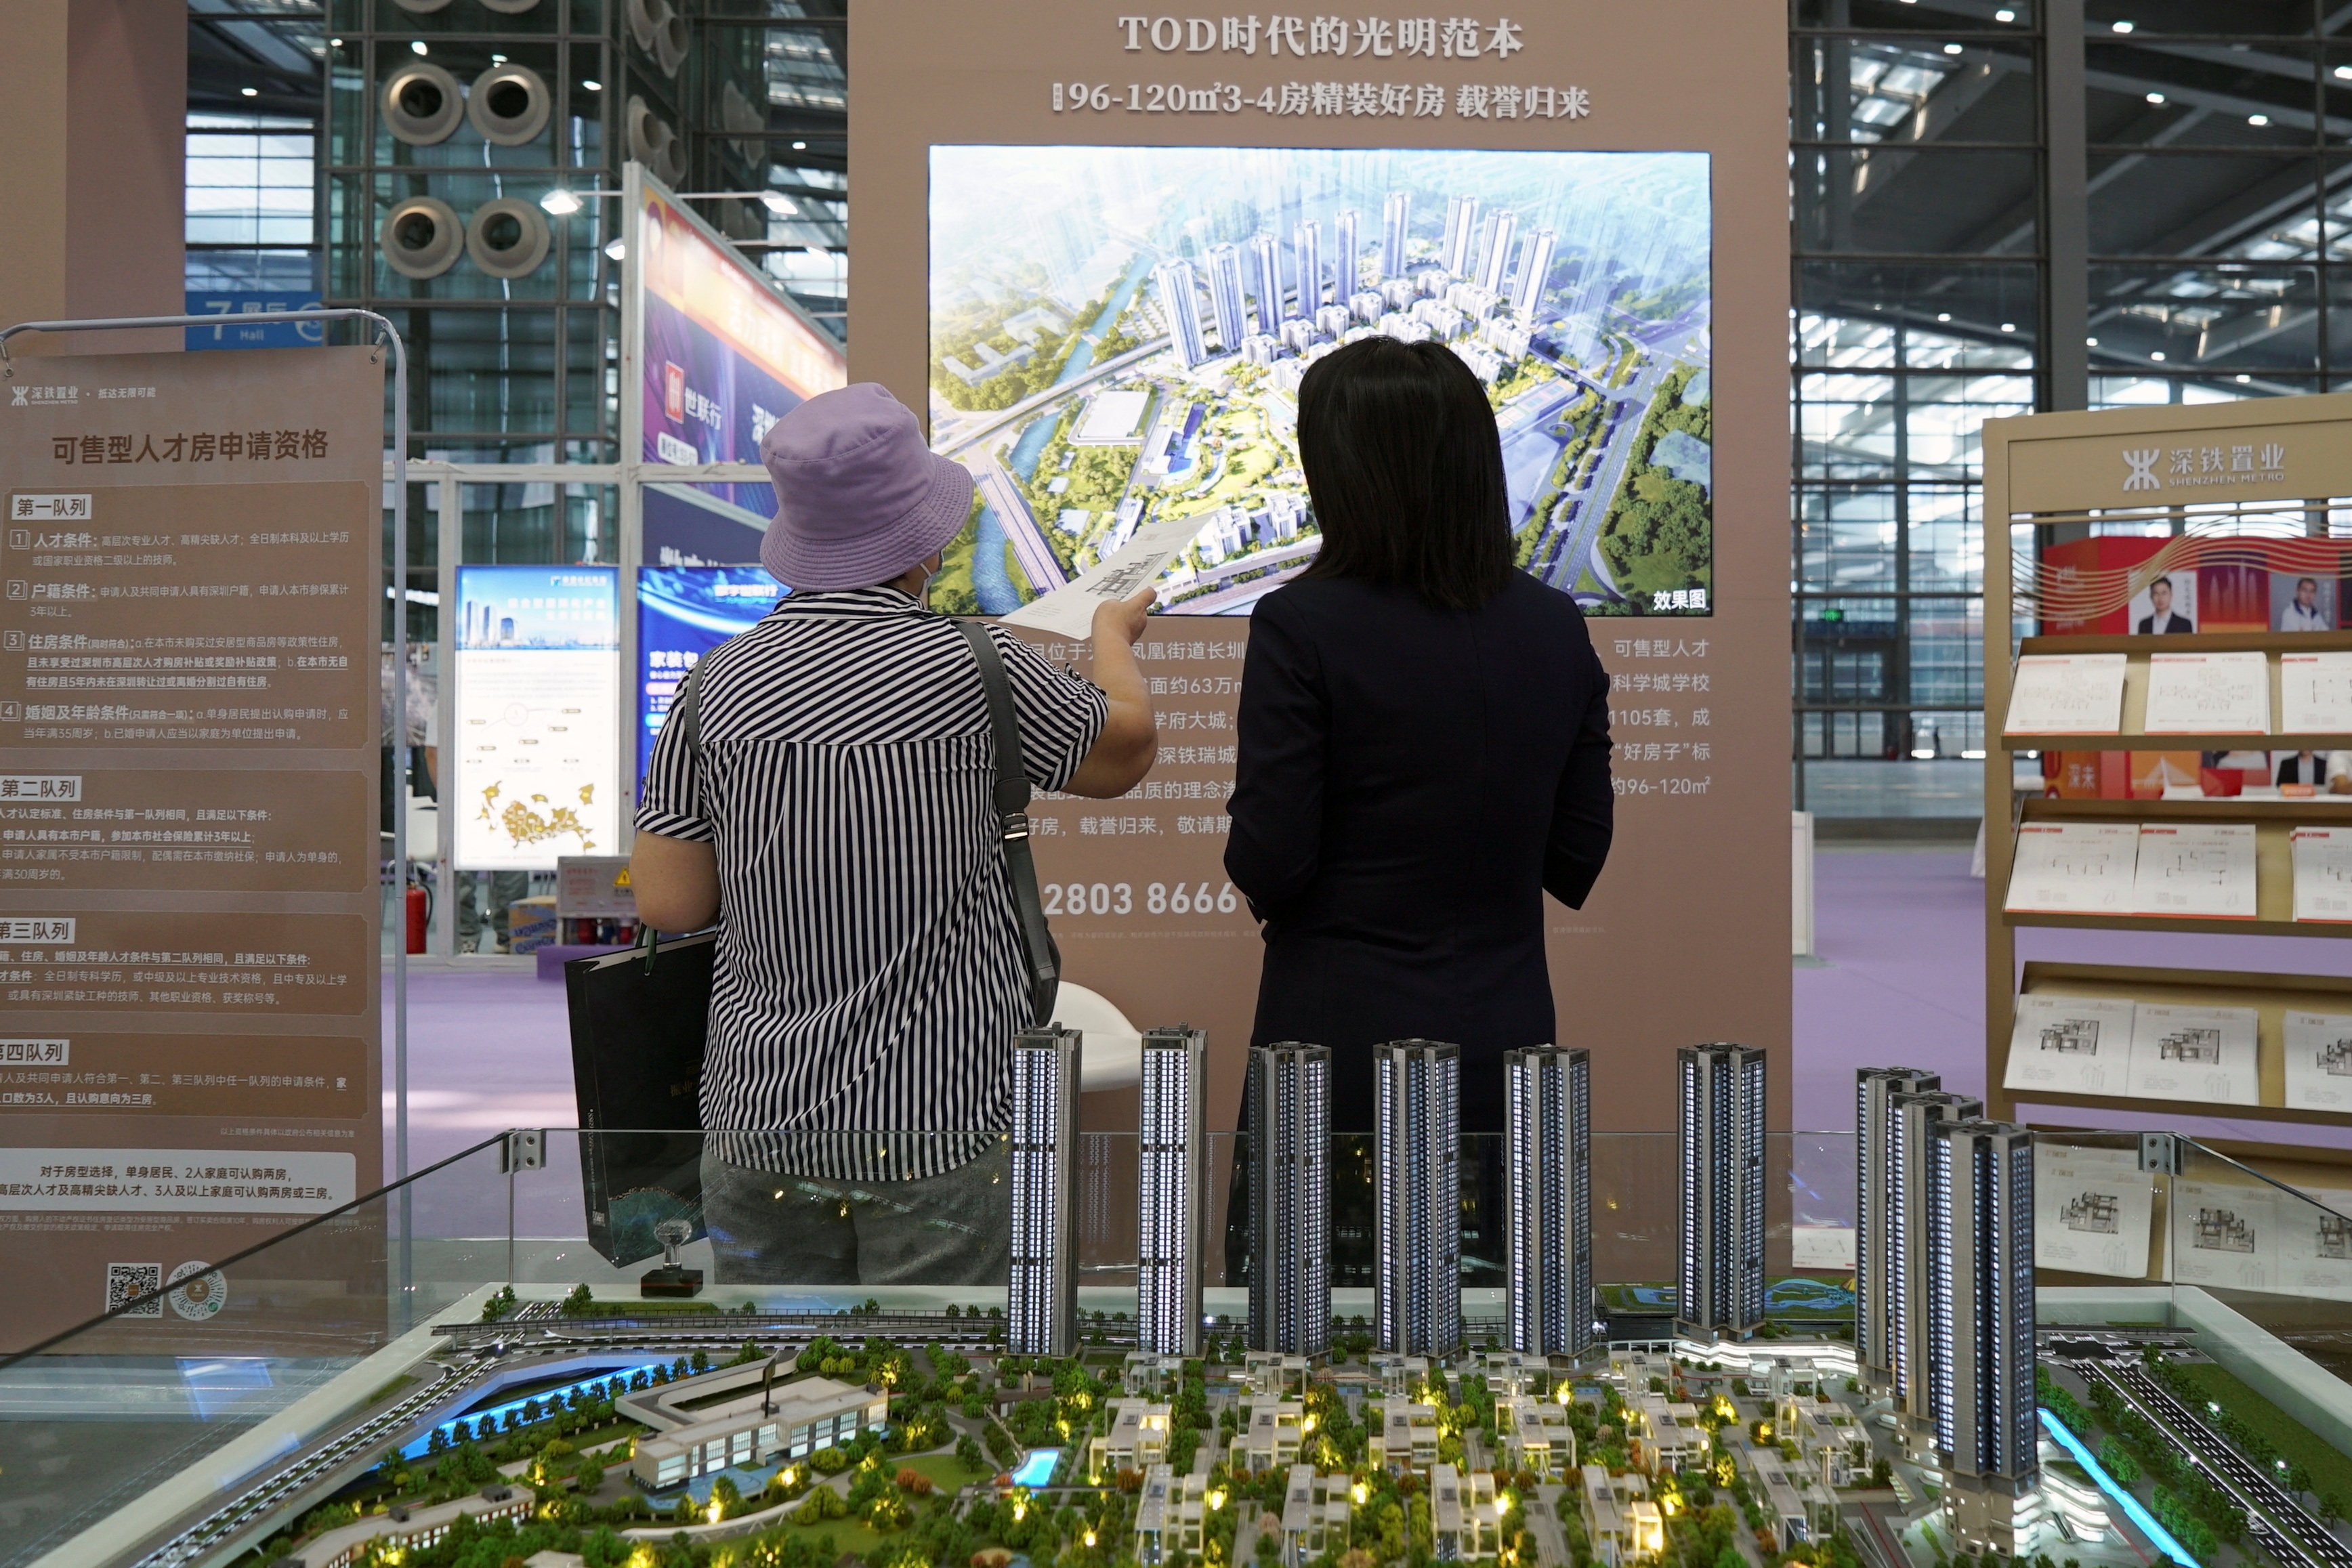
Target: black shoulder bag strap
[(1011, 803)]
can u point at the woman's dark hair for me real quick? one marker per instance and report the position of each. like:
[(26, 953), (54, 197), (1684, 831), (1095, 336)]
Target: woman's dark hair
[(1405, 467)]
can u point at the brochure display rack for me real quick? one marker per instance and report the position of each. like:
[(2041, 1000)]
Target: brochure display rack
[(2175, 581)]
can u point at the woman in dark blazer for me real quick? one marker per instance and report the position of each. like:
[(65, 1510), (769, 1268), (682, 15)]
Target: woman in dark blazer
[(1423, 742)]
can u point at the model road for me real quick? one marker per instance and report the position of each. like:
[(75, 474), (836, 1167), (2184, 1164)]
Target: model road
[(1038, 562), (282, 1487), (2253, 1486)]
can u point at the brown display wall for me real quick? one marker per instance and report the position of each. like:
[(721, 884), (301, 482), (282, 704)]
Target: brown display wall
[(1686, 938), (192, 555)]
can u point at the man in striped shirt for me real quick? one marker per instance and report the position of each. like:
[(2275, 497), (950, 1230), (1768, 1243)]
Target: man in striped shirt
[(835, 817)]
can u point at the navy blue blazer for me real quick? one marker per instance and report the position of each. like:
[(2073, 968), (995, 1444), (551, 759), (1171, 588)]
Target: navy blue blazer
[(1411, 783)]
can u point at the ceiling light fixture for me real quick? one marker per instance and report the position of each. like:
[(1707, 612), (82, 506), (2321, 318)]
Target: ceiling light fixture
[(2158, 356), (591, 87), (2092, 341), (250, 91), (2258, 119), (416, 47), (2004, 14), (1942, 315), (2245, 380), (2344, 73), (2009, 326), (1951, 49), (800, 146), (616, 250), (560, 202), (2156, 98), (2123, 26)]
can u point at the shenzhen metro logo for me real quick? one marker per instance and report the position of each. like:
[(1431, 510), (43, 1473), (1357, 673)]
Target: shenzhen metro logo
[(2204, 467)]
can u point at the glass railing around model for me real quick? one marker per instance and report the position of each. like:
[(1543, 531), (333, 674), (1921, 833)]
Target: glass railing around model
[(512, 1283)]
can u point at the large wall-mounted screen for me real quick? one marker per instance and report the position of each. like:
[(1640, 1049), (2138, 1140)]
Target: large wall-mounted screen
[(1118, 335)]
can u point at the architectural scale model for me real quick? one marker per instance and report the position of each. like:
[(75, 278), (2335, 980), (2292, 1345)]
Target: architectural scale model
[(1041, 1301), (1171, 1209), (1875, 1229), (1290, 1196), (1721, 1147), (1417, 1178), (1548, 1199), (1910, 1195), (566, 1432)]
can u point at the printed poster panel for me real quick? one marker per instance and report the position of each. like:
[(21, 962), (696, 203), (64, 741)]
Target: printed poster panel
[(683, 612), (538, 682), (189, 921), (2093, 1210), (1099, 252)]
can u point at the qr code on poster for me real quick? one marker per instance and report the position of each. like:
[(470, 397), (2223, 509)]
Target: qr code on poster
[(126, 1282)]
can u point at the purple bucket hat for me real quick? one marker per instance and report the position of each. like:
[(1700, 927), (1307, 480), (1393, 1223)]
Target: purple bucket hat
[(860, 496)]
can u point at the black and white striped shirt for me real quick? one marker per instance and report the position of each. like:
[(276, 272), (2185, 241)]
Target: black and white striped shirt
[(869, 970)]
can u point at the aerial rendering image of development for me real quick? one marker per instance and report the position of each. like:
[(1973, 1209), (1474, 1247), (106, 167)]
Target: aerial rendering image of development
[(1118, 336)]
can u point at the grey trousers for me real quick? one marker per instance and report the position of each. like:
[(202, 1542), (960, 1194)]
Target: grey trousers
[(955, 1228)]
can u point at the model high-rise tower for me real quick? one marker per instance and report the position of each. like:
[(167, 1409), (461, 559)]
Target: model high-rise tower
[(1289, 1194), (1396, 223), (1347, 257), (1180, 302), (1981, 1253), (1417, 1175), (1874, 1254), (1494, 249), (1042, 1303), (1460, 234), (1265, 281), (1225, 297), (1174, 1161), (1307, 255), (1908, 1194), (1721, 1121), (1547, 1199), (1534, 270)]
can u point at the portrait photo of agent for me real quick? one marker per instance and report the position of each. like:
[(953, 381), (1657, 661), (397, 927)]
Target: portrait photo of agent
[(2303, 606), (2328, 770), (2161, 615)]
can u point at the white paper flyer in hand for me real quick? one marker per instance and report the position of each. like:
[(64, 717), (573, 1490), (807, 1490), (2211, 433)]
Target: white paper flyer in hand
[(2321, 862), (2226, 1235), (2196, 871), (2073, 868), (2067, 693), (2204, 1054), (1069, 610), (2092, 1210), (2318, 1060), (2208, 694), (2315, 694), (2070, 1045)]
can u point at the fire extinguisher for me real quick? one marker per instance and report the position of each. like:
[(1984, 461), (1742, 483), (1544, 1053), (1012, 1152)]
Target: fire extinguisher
[(416, 919)]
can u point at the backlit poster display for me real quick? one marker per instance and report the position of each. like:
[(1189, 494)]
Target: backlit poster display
[(683, 612), (1099, 251), (720, 353), (538, 764)]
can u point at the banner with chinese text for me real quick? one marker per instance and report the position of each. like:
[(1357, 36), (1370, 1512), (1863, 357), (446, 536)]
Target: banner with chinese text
[(189, 912)]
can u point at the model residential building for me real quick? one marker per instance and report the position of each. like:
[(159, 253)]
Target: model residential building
[(1170, 1513), (1538, 1437), (1138, 1440), (1720, 1123), (1620, 1522), (1981, 1251), (1548, 1199), (1272, 1428), (1405, 1436), (1042, 1302), (1873, 1230), (736, 1417), (1417, 1176), (1289, 1197), (1462, 1518), (1314, 1516), (1910, 1191), (1172, 1157)]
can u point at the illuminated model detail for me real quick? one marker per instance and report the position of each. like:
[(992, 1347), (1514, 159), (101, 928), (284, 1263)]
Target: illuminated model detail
[(1981, 1253), (1910, 1189), (1417, 1116), (1874, 1226), (1041, 1304), (1721, 1146), (1289, 1194), (1170, 1207), (1548, 1202)]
